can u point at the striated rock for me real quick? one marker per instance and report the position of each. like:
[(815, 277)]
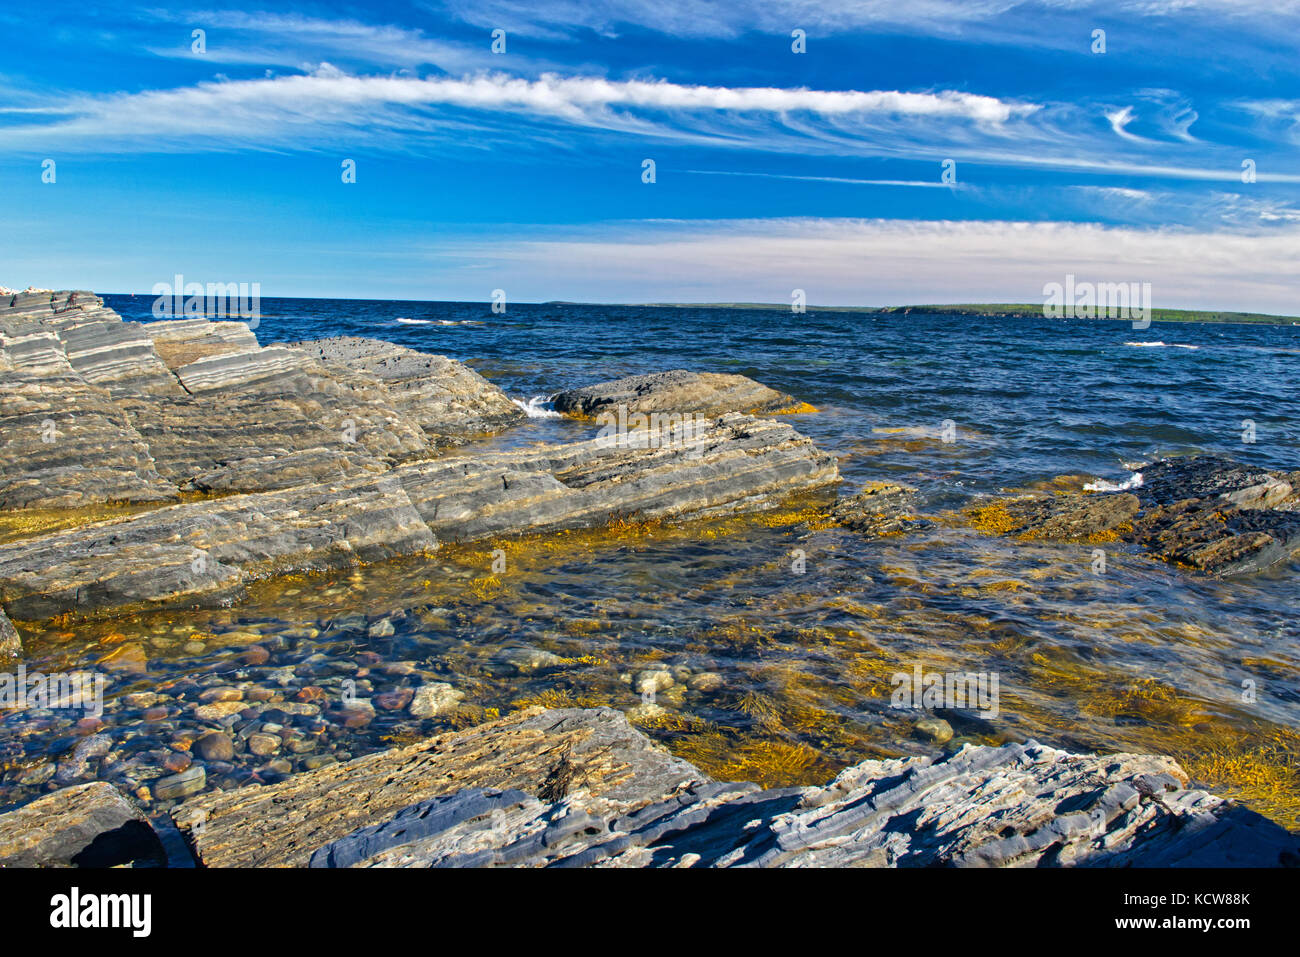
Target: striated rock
[(731, 464), (582, 788), (65, 443), (202, 552), (119, 356), (1206, 513), (89, 825), (543, 752), (180, 342), (709, 393), (11, 644), (450, 401), (879, 509)]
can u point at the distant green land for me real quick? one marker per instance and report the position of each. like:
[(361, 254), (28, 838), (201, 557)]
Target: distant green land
[(993, 309)]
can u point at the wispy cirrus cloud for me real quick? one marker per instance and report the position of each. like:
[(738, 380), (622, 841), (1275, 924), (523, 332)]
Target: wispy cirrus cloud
[(276, 111)]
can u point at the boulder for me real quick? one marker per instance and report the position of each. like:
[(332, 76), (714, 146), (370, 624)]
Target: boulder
[(545, 753), (88, 825), (707, 393)]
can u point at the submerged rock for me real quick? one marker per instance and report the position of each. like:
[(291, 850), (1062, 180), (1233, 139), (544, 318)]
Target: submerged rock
[(708, 393), (582, 788), (879, 509), (11, 644), (1203, 512)]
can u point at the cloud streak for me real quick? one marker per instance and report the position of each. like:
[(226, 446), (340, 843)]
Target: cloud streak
[(888, 262)]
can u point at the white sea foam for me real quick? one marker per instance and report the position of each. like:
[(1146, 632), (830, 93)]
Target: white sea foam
[(1101, 485), (438, 322), (538, 407), (1161, 345)]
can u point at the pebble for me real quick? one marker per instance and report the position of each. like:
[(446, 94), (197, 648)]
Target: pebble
[(129, 657), (706, 682), (434, 699), (215, 746), (381, 629), (936, 729), (255, 655), (394, 700), (176, 761), (263, 745), (653, 679), (223, 693), (218, 710), (190, 781), (526, 660)]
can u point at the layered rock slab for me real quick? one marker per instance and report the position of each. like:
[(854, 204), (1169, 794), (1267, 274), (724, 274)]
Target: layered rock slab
[(582, 788), (542, 752), (65, 443), (680, 391), (450, 401), (202, 552)]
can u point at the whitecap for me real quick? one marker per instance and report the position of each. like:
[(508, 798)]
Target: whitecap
[(1101, 485), (1162, 345), (538, 407)]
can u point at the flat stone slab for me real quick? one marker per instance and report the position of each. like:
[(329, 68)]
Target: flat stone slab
[(541, 752), (681, 391), (67, 443), (203, 552), (179, 342)]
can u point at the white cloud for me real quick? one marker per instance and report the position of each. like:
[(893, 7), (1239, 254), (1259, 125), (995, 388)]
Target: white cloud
[(275, 111), (882, 262)]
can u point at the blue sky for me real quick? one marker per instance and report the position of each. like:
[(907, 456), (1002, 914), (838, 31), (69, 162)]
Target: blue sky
[(775, 170)]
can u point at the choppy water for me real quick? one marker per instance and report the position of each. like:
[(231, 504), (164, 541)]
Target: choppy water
[(778, 676)]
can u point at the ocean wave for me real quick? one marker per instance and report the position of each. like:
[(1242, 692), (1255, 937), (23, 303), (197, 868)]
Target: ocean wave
[(439, 322), (538, 407), (1101, 485), (1161, 345)]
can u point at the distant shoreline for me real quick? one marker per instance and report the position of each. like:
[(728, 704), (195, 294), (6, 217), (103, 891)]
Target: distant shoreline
[(995, 310), (989, 310)]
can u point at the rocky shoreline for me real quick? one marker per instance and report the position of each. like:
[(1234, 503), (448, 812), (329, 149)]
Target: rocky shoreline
[(191, 463), (581, 788)]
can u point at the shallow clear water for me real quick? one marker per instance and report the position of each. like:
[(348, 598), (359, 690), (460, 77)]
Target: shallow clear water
[(777, 676)]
